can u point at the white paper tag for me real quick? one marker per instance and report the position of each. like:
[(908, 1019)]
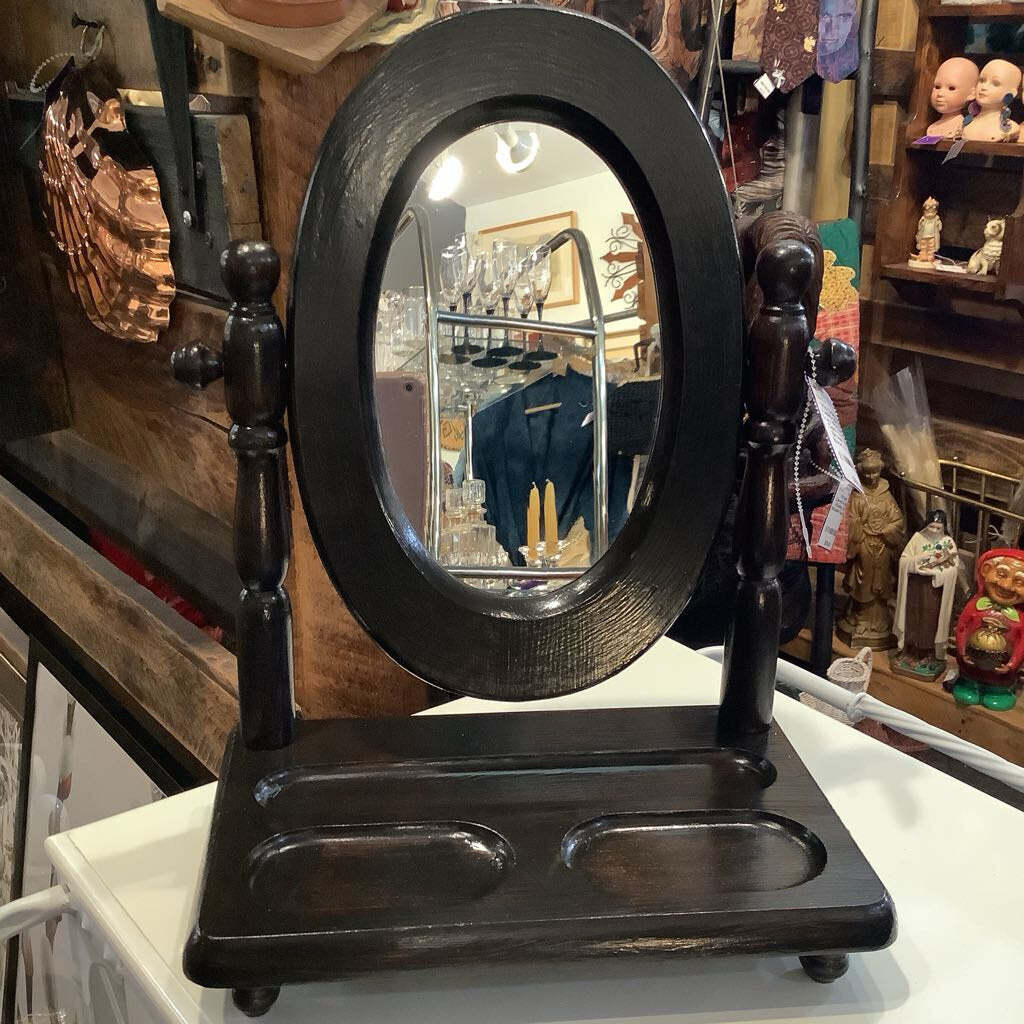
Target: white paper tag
[(830, 528), (834, 432), (764, 85)]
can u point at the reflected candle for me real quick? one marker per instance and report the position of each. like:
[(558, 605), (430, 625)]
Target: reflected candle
[(533, 519), (550, 520)]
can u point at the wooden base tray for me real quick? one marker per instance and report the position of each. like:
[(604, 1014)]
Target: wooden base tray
[(416, 842)]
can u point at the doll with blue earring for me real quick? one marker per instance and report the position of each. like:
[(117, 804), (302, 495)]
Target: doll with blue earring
[(998, 85)]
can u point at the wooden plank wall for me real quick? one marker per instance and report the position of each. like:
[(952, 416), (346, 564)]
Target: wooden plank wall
[(326, 635), (122, 399)]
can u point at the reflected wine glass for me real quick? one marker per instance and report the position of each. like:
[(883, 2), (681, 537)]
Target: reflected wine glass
[(506, 262), (450, 272), (538, 269), (488, 287), (524, 303), (470, 271)]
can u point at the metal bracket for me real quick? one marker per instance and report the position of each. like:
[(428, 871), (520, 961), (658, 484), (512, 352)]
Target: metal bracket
[(170, 50)]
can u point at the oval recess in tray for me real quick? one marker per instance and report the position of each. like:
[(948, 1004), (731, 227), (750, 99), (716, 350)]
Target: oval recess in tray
[(350, 869), (693, 853)]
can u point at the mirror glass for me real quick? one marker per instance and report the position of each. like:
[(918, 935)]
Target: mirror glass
[(517, 358)]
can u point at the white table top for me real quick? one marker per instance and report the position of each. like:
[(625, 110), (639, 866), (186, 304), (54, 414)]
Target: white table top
[(950, 856)]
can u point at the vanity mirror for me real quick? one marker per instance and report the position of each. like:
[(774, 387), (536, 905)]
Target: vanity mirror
[(347, 846)]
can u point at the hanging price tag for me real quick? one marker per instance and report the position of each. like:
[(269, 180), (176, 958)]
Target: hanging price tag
[(830, 528), (834, 432), (954, 151), (764, 85)]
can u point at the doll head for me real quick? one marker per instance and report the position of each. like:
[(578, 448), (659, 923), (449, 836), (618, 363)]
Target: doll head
[(997, 79), (930, 207), (955, 85), (1001, 576)]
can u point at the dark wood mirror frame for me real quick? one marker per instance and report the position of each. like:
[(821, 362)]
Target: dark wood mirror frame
[(374, 153), (338, 847)]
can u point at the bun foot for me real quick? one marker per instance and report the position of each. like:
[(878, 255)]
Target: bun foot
[(254, 1002), (825, 969)]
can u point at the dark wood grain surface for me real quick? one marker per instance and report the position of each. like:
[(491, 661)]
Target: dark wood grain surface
[(458, 839)]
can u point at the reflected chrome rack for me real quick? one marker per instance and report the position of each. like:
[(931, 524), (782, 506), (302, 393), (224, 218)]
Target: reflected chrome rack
[(592, 329)]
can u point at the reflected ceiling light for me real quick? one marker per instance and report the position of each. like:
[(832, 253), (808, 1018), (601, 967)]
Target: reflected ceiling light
[(516, 150), (447, 176)]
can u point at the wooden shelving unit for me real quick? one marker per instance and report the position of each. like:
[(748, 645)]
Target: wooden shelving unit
[(1005, 150), (985, 180), (947, 279), (974, 12)]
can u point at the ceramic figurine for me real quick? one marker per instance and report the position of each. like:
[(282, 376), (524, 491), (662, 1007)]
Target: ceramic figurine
[(929, 233), (986, 259), (998, 84), (924, 602), (989, 636), (875, 541), (954, 87)]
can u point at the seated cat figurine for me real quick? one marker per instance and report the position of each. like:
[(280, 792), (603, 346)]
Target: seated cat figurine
[(986, 259)]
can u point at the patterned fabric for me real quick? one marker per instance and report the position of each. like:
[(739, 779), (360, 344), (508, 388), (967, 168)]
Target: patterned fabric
[(838, 40), (746, 43), (790, 42), (838, 317)]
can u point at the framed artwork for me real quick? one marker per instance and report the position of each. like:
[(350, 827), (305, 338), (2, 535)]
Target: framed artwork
[(565, 261), (82, 759), (13, 694)]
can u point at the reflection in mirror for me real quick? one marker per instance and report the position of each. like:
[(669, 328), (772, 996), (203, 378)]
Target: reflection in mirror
[(516, 358)]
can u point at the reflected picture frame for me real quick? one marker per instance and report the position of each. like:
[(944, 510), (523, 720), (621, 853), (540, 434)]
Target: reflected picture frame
[(565, 262)]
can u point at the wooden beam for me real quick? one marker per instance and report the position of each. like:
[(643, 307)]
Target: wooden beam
[(145, 652), (180, 543), (126, 402), (339, 670), (892, 72)]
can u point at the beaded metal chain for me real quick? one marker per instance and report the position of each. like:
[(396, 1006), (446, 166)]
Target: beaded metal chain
[(87, 55)]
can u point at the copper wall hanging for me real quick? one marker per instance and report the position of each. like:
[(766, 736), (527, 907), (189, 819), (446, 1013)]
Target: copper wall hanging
[(102, 203)]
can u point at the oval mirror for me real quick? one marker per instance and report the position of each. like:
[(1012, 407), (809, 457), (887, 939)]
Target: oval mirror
[(515, 350), (517, 368)]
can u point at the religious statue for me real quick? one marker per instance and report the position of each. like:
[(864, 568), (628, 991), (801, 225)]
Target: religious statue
[(954, 87), (989, 635), (929, 233), (998, 86), (924, 602), (875, 541)]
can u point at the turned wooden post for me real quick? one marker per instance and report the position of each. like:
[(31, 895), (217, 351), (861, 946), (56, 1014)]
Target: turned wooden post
[(774, 394), (254, 384)]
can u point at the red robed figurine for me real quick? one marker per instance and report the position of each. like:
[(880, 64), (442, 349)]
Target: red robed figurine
[(989, 634)]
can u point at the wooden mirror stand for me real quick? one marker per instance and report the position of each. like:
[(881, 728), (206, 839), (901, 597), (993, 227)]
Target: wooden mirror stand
[(379, 844), (341, 847)]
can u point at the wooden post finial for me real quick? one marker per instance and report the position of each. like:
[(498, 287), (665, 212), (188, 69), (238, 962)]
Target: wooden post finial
[(254, 383), (774, 394)]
